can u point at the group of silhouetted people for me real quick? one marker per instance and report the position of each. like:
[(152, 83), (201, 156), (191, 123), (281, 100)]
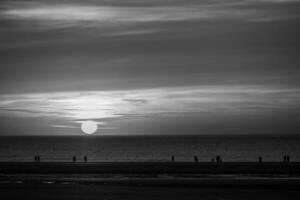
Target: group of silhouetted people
[(85, 159), (37, 158), (286, 158), (218, 160), (195, 159)]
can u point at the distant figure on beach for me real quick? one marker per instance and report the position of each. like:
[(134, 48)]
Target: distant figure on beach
[(286, 158), (195, 159), (85, 159), (173, 159), (36, 158), (218, 159), (74, 158), (260, 159)]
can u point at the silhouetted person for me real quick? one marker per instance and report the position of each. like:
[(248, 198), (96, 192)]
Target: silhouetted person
[(35, 158), (284, 158), (260, 159), (173, 159), (74, 158), (218, 159), (38, 158), (85, 159), (195, 158), (287, 158)]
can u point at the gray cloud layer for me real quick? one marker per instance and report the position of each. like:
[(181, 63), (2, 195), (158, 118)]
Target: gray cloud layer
[(132, 110), (102, 15), (155, 52)]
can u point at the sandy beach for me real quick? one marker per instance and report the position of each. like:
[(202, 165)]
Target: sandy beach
[(114, 191), (150, 180)]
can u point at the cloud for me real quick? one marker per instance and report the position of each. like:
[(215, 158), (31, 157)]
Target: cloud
[(97, 105), (62, 126), (273, 1), (104, 14), (61, 15), (173, 110), (137, 101)]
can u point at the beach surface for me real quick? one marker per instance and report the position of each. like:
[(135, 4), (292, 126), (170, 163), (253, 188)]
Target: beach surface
[(89, 191), (148, 180)]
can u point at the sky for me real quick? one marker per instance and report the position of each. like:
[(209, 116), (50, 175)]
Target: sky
[(145, 67)]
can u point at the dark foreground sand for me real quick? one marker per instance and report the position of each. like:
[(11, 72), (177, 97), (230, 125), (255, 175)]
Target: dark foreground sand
[(207, 181), (77, 186), (122, 192)]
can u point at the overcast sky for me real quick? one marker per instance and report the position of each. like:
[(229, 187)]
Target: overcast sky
[(150, 66)]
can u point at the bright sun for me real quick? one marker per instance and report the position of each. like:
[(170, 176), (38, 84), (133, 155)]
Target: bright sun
[(89, 127)]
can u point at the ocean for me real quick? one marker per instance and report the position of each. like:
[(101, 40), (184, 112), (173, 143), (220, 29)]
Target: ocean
[(148, 148)]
